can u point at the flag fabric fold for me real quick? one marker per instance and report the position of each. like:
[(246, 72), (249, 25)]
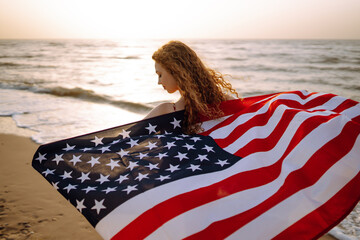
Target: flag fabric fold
[(275, 166)]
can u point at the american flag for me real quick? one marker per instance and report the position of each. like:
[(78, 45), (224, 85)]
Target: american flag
[(277, 166)]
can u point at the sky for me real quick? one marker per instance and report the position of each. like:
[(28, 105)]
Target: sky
[(207, 19)]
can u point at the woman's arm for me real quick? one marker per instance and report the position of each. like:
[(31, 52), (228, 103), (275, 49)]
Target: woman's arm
[(161, 109)]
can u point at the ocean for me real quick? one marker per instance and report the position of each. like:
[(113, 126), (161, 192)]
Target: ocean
[(63, 88)]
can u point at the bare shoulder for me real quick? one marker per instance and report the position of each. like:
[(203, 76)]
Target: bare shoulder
[(161, 109), (229, 97)]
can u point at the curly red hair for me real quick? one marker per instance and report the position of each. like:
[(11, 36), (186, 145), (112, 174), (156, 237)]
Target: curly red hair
[(202, 88)]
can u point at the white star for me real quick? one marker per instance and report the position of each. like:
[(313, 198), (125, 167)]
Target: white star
[(202, 157), (176, 123), (167, 133), (48, 171), (132, 165), (58, 158), (97, 141), (222, 162), (181, 156), (122, 153), (194, 167), (41, 157), (109, 189), (152, 166), (133, 142), (55, 185), (70, 187), (66, 175), (113, 164), (161, 155), (188, 146), (80, 205), (208, 148), (151, 145), (115, 142), (173, 168), (184, 135), (104, 149), (195, 139), (86, 149), (160, 136), (84, 177), (151, 128), (170, 145), (88, 189), (94, 161), (103, 179), (68, 147), (125, 134), (98, 206), (142, 155), (122, 178), (162, 178), (75, 159), (177, 138), (130, 189), (141, 176)]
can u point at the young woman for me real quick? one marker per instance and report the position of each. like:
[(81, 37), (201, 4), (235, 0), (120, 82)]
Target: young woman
[(202, 89)]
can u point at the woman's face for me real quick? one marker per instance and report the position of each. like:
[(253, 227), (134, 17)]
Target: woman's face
[(166, 79)]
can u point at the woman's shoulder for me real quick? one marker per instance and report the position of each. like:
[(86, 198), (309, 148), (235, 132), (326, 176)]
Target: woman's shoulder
[(229, 97), (161, 109)]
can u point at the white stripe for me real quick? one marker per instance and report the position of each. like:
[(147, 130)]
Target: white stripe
[(130, 210), (222, 133), (199, 218), (212, 123), (331, 104), (290, 211)]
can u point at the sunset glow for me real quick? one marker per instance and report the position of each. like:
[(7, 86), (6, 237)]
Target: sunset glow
[(183, 19)]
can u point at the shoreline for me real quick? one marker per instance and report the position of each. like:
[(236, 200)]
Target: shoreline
[(30, 208)]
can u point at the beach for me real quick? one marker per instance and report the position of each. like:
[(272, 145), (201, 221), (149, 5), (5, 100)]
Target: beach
[(30, 208)]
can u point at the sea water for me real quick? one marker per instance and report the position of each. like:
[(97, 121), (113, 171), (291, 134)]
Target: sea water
[(64, 88)]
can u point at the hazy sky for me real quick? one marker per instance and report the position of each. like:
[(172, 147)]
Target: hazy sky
[(326, 19)]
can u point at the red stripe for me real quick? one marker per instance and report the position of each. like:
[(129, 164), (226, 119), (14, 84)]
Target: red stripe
[(317, 165), (151, 219), (327, 216)]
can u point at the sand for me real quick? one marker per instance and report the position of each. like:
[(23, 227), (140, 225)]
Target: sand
[(30, 208)]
